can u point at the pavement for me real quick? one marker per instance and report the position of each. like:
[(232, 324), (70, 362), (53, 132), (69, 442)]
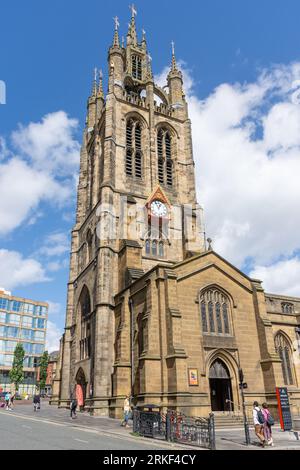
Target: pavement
[(234, 439), (53, 429)]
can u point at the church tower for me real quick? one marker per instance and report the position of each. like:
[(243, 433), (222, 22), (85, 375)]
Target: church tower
[(136, 207)]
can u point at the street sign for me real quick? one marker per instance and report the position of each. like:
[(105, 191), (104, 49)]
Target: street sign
[(285, 416)]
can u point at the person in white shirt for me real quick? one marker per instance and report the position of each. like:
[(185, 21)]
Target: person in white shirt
[(258, 426)]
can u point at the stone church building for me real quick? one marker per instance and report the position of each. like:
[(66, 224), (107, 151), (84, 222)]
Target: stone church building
[(152, 311)]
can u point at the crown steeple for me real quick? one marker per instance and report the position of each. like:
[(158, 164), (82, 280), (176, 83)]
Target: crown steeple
[(132, 34), (116, 42)]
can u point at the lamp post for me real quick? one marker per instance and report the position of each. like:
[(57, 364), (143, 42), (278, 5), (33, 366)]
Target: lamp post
[(246, 425)]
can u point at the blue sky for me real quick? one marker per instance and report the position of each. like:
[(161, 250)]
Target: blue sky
[(48, 53)]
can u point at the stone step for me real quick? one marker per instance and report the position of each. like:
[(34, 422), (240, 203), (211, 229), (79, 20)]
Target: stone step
[(230, 421)]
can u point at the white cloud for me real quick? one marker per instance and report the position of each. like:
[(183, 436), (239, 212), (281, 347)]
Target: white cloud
[(247, 152), (22, 188), (3, 149), (18, 271), (54, 308), (44, 169), (50, 144), (53, 336), (55, 244), (282, 277)]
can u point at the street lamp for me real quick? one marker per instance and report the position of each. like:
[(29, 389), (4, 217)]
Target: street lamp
[(243, 385)]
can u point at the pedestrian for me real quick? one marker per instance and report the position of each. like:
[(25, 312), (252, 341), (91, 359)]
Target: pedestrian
[(7, 401), (269, 422), (12, 400), (126, 411), (36, 402), (258, 420), (73, 407)]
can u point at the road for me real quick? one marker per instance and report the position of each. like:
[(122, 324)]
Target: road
[(52, 429), (35, 433)]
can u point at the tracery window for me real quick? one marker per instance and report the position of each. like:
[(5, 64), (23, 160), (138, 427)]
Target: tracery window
[(137, 67), (215, 307), (164, 156), (134, 156), (155, 245), (288, 308), (85, 324), (283, 349)]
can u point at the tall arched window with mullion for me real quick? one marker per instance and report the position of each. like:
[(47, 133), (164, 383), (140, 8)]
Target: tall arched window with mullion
[(137, 67), (215, 309), (225, 318), (211, 317), (283, 349), (164, 155), (138, 150), (134, 156), (160, 154), (219, 319), (169, 163), (129, 145), (204, 317)]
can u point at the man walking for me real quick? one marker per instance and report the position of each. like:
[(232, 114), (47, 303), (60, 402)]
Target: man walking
[(36, 402), (73, 407), (258, 420)]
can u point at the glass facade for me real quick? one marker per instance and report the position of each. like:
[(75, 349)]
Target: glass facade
[(25, 322)]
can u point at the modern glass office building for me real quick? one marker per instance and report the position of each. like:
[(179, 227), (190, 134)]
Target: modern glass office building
[(21, 321)]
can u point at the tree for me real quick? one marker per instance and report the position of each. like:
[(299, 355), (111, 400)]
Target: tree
[(43, 370), (16, 374)]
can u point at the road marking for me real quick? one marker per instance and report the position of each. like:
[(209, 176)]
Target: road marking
[(79, 440), (96, 431), (26, 427)]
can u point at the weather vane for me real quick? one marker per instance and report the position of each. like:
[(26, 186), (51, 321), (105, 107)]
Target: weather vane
[(117, 24), (133, 10), (173, 47)]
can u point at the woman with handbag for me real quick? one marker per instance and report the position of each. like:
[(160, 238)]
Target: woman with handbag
[(269, 422)]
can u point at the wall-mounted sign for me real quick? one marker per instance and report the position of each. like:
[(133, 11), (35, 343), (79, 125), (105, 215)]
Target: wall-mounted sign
[(285, 416), (193, 377)]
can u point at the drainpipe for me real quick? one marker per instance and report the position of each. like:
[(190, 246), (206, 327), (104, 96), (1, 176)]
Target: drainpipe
[(130, 304)]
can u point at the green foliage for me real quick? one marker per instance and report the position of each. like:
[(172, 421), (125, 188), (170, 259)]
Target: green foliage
[(16, 374), (43, 370)]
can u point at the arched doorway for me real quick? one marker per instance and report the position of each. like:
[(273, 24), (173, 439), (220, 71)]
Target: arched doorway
[(220, 387), (80, 388)]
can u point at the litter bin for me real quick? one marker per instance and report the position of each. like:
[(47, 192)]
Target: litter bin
[(148, 422)]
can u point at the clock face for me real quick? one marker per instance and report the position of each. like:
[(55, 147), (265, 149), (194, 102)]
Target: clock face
[(159, 209)]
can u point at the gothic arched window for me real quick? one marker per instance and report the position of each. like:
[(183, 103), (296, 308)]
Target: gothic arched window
[(89, 242), (85, 324), (134, 156), (137, 67), (155, 244), (164, 157), (287, 308), (284, 351), (215, 312)]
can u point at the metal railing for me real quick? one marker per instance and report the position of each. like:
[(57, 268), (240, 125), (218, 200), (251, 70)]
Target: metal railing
[(176, 427)]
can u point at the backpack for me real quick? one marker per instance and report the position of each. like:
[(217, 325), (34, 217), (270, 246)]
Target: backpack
[(270, 420), (260, 417)]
